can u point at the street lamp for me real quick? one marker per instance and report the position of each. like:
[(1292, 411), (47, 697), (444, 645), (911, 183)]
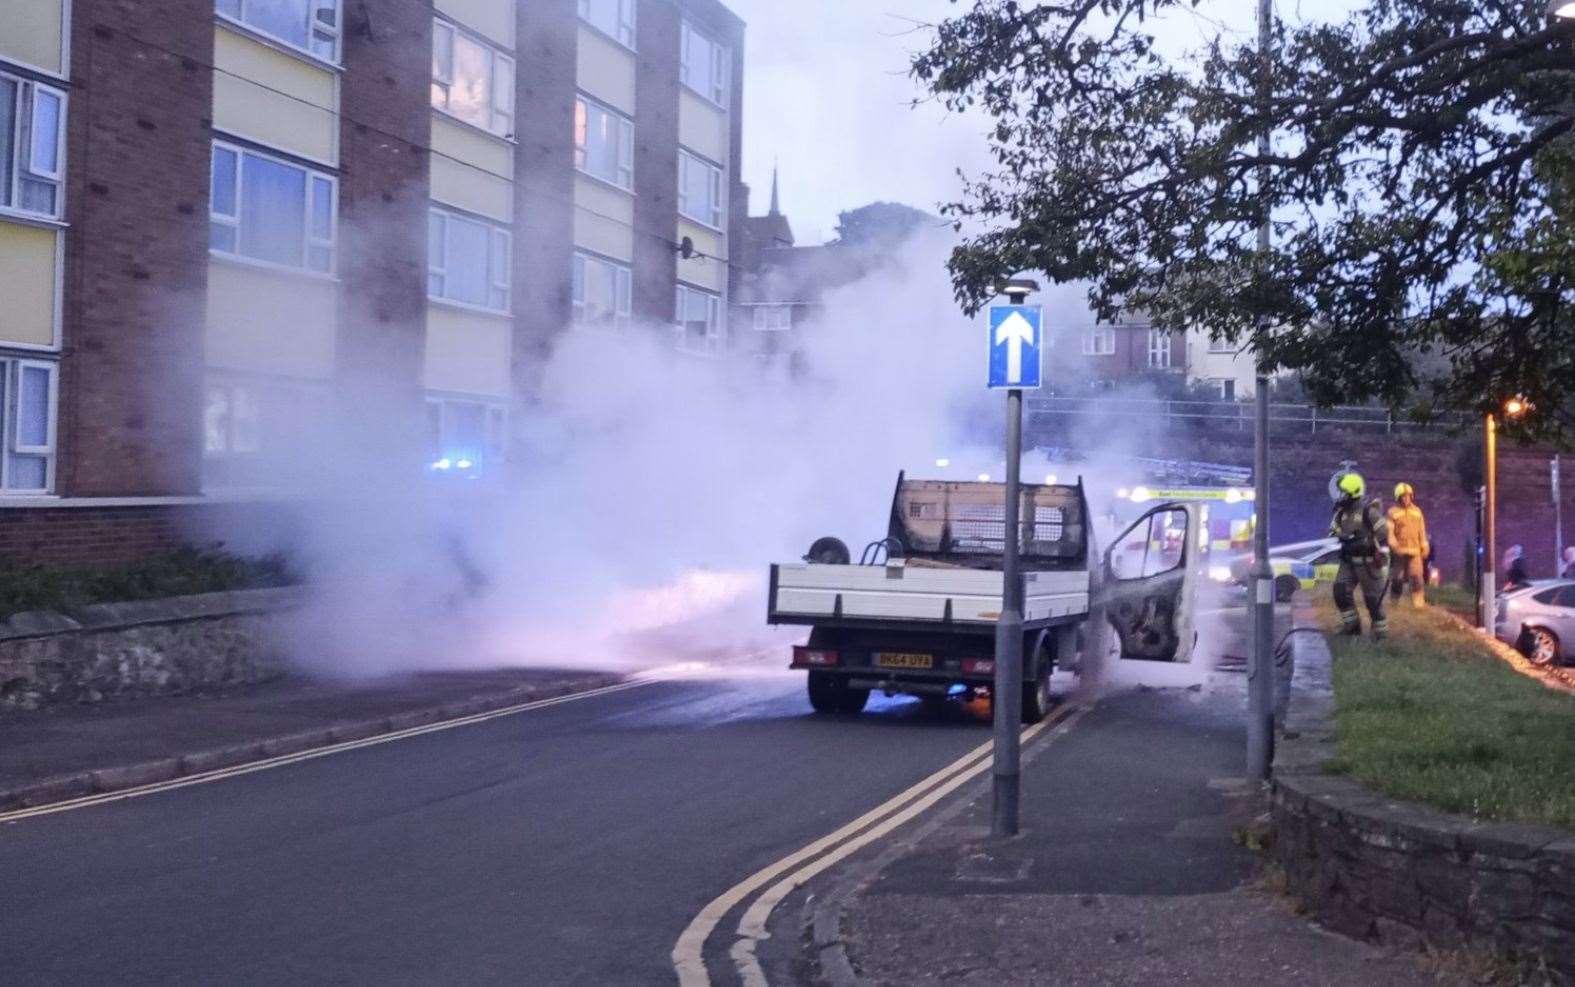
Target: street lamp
[(1513, 408), (1562, 9)]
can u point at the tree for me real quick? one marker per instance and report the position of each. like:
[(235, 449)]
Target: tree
[(882, 224), (1419, 182)]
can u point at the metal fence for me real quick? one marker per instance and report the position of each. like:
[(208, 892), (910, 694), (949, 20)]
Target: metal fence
[(1217, 416)]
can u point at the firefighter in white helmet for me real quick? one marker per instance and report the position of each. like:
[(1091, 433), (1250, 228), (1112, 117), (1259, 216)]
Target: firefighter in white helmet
[(1363, 531)]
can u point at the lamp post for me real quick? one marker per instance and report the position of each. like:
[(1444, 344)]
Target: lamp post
[(1513, 408), (1562, 10)]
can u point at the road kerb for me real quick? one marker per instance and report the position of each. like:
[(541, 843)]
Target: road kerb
[(83, 788)]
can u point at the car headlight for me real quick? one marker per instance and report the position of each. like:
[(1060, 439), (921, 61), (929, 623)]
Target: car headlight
[(1220, 573)]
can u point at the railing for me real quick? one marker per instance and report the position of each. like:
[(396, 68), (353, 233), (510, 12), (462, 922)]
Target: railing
[(1215, 416)]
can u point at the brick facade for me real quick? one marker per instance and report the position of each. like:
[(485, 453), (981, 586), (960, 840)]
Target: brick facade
[(137, 249), (656, 162)]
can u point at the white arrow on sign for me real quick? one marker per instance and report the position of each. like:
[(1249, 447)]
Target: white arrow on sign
[(1016, 332)]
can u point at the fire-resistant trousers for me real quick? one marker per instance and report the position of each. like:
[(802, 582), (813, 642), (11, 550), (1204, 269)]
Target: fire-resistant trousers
[(1408, 569), (1374, 583)]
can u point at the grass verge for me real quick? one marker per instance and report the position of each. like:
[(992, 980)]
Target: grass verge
[(1431, 715), (179, 573)]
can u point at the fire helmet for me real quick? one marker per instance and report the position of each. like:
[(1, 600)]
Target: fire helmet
[(1401, 489), (1352, 484)]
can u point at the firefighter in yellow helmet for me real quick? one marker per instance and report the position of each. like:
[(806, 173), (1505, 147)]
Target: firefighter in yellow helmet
[(1408, 543), (1363, 531)]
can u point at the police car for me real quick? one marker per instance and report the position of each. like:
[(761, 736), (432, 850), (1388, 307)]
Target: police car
[(1301, 565)]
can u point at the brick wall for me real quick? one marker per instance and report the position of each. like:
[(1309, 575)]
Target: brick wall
[(109, 535), (384, 195), (544, 182), (656, 162), (137, 249)]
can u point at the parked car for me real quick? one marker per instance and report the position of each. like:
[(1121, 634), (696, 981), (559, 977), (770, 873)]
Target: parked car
[(1539, 620), (1300, 565)]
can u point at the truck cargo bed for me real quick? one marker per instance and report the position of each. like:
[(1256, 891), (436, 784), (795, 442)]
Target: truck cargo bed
[(852, 595)]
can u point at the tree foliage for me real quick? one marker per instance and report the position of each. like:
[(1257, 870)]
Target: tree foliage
[(882, 224), (1419, 180)]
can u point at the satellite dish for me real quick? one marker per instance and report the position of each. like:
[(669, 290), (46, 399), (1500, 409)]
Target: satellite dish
[(686, 248)]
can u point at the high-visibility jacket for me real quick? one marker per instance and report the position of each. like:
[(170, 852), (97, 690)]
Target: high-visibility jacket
[(1407, 531)]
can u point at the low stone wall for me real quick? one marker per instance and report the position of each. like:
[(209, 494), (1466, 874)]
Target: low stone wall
[(1401, 874), (153, 647)]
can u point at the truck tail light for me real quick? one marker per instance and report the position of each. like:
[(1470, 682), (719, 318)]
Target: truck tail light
[(978, 666), (815, 658)]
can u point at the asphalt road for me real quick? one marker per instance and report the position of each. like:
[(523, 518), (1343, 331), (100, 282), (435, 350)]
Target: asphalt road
[(566, 845)]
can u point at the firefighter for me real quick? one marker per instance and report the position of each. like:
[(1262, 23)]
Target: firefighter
[(1408, 545), (1363, 531)]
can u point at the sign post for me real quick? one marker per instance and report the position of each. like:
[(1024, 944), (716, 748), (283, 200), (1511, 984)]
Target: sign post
[(1558, 517), (1016, 349)]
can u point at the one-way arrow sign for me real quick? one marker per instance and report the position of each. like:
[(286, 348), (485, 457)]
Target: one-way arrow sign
[(1016, 334)]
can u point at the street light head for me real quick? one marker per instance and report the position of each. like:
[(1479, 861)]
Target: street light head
[(1562, 9), (1515, 407)]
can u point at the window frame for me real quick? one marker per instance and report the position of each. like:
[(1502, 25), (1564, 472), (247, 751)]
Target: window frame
[(582, 152), (309, 238), (11, 372), (335, 31), (716, 329), (495, 55), (716, 183), (496, 280), (1156, 348), (627, 20), (721, 65), (761, 313), (1222, 347), (1093, 338), (623, 291), (494, 424), (22, 165)]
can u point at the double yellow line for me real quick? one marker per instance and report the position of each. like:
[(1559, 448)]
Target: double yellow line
[(781, 878), (219, 774)]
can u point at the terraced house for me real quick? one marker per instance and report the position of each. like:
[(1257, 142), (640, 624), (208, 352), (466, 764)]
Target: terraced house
[(223, 222)]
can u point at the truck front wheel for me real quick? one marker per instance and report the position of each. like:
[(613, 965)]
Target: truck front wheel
[(832, 694)]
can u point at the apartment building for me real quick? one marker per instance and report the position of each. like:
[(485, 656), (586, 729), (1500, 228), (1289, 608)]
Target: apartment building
[(224, 223)]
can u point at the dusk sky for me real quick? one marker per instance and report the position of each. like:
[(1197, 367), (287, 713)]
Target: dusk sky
[(827, 95)]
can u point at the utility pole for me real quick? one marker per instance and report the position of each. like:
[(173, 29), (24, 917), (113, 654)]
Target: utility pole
[(1555, 484), (1006, 694), (1260, 685), (1488, 587)]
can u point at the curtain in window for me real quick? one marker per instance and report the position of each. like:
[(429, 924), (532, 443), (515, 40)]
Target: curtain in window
[(284, 19), (466, 262), (273, 211)]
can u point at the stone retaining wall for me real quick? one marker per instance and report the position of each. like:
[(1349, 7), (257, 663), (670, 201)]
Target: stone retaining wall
[(1401, 874), (153, 647)]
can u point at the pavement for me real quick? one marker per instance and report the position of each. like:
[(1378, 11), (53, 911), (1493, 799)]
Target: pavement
[(57, 753), (1130, 869)]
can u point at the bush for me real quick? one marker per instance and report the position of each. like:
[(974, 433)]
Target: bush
[(182, 572)]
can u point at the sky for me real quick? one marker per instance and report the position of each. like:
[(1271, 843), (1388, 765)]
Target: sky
[(827, 97)]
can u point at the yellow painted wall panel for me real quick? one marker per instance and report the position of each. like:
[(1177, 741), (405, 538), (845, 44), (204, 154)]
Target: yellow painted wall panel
[(705, 272), (463, 187), (492, 19), (465, 144), (32, 33), (467, 352), (606, 70), (28, 269), (703, 128), (273, 98), (269, 322), (603, 219)]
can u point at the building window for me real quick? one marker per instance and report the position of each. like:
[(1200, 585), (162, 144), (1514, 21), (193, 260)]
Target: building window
[(699, 190), (1225, 388), (704, 65), (230, 420), (1100, 341), (32, 146), (27, 412), (270, 210), (602, 292), (773, 318), (310, 25), (603, 143), (614, 18), (1158, 349), (1222, 346), (465, 436), (472, 80), (468, 261), (699, 320)]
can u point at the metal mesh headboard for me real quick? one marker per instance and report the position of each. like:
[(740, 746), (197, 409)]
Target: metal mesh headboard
[(934, 517)]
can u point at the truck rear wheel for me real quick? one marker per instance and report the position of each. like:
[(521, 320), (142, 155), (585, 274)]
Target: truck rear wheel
[(1036, 695), (832, 694)]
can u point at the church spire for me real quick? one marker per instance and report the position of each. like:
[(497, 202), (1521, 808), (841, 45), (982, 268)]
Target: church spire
[(776, 202)]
